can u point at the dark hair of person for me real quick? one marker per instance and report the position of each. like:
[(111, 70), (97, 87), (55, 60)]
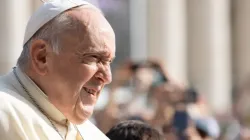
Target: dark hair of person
[(136, 118), (191, 95), (133, 130)]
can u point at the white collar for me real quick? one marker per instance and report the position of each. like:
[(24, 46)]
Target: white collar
[(40, 97), (86, 129)]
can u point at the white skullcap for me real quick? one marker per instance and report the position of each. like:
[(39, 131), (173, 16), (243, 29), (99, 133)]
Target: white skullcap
[(49, 10)]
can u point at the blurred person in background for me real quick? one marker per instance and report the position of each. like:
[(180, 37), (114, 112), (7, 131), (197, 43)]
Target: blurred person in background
[(196, 104), (175, 119), (164, 97), (127, 95), (205, 124), (65, 63), (133, 130), (145, 74), (171, 117)]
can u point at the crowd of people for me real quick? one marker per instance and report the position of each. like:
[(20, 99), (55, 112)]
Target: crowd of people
[(143, 91)]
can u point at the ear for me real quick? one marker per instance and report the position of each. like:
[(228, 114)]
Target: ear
[(39, 51)]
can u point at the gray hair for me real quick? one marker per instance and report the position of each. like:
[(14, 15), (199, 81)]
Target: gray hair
[(50, 33)]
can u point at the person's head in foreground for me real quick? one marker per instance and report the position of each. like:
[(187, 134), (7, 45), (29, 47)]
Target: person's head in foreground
[(69, 57), (133, 130)]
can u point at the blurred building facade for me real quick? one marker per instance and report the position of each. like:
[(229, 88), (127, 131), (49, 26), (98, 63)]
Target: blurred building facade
[(204, 44)]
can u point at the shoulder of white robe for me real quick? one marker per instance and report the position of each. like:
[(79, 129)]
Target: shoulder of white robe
[(90, 132)]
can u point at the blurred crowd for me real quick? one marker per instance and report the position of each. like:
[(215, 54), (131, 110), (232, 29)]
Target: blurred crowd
[(143, 91)]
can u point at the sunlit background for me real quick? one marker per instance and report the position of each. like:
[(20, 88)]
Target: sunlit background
[(202, 43)]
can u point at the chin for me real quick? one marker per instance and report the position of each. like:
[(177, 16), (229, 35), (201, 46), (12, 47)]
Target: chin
[(81, 116)]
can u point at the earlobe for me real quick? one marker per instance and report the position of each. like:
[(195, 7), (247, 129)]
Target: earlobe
[(39, 53)]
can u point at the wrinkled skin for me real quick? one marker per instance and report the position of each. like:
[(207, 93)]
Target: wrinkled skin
[(73, 78)]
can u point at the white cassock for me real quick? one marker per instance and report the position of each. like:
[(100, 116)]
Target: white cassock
[(20, 119)]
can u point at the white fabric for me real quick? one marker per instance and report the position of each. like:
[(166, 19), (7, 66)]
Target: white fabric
[(21, 120), (48, 11)]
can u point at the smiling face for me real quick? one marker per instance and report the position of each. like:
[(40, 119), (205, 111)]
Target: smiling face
[(74, 78)]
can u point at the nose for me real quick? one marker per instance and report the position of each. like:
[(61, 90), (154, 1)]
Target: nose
[(104, 74)]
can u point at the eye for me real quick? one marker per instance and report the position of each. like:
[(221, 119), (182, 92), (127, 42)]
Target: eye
[(107, 61), (92, 59)]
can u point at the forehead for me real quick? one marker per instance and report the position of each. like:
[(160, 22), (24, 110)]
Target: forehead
[(94, 32)]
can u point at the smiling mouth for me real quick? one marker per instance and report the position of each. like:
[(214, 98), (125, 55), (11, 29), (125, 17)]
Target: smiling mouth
[(90, 91)]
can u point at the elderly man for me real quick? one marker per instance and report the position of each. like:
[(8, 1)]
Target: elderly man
[(65, 63)]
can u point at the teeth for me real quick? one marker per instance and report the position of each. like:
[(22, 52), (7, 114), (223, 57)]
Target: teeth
[(90, 91)]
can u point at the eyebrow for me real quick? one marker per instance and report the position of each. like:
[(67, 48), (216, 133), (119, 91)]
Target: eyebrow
[(102, 53)]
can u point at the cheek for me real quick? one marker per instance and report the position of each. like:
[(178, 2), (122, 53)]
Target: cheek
[(108, 76), (85, 72), (71, 73)]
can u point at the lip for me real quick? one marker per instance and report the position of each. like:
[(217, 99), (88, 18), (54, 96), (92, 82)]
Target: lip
[(92, 91)]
